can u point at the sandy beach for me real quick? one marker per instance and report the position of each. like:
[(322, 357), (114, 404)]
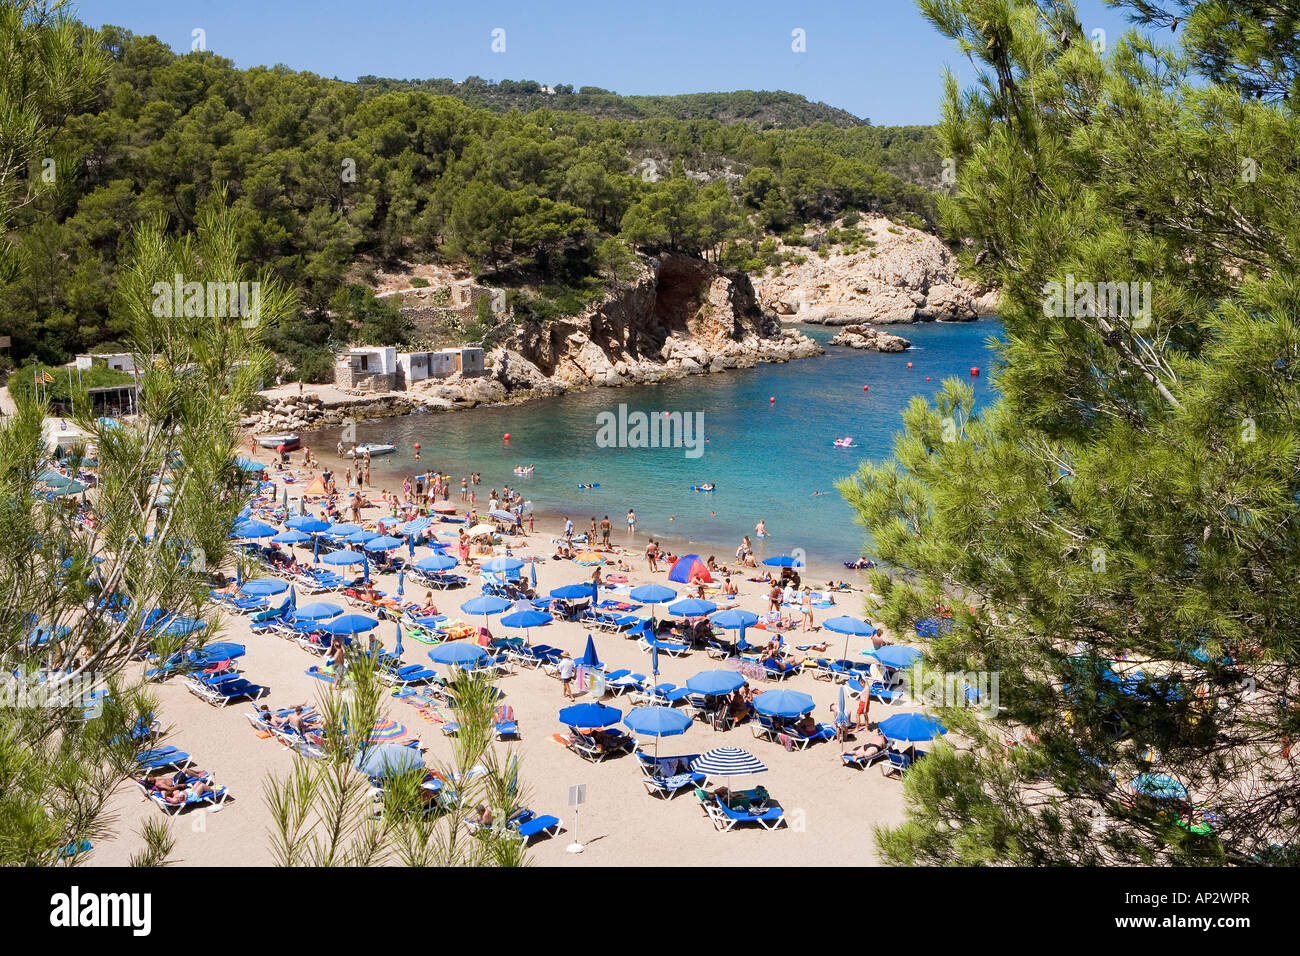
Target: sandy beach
[(830, 807)]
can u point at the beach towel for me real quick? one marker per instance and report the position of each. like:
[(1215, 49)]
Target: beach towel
[(786, 741)]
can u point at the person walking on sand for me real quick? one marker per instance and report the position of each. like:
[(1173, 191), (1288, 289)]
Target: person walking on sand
[(652, 554), (631, 521), (567, 672)]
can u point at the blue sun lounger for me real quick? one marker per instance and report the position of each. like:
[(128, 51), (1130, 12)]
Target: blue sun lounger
[(161, 757)]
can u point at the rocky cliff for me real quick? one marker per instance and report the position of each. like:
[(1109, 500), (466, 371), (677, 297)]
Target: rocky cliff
[(897, 275), (680, 316)]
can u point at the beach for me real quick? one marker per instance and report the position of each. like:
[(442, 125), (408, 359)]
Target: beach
[(830, 808)]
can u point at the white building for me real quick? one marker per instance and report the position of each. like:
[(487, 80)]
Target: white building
[(117, 361)]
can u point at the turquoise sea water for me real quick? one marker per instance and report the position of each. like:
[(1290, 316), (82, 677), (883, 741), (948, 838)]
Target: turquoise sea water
[(766, 458)]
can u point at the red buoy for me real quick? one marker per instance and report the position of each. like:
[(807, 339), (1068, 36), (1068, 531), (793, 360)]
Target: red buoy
[(974, 372), (909, 364), (866, 388), (506, 436), (417, 446), (927, 378), (772, 400)]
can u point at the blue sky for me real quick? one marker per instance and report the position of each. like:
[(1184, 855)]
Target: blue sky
[(876, 58)]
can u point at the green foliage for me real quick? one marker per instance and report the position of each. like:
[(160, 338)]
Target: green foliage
[(59, 764), (30, 383), (328, 180), (1129, 501)]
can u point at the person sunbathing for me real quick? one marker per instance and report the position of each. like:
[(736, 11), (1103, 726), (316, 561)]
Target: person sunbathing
[(739, 706), (167, 783), (805, 726), (605, 740), (180, 796), (873, 745)]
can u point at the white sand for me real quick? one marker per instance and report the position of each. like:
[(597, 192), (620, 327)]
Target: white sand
[(831, 808)]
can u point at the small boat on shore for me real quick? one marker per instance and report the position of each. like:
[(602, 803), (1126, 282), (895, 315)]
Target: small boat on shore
[(290, 442), (375, 448)]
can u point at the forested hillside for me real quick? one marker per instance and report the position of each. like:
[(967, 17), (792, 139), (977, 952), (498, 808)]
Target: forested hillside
[(329, 180)]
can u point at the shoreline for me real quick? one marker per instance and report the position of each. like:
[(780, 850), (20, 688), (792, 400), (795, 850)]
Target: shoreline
[(549, 523)]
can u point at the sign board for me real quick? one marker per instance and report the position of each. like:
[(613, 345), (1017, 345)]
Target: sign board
[(577, 794)]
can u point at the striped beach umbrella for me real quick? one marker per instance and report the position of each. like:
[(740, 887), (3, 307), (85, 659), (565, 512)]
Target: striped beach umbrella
[(385, 730), (727, 762)]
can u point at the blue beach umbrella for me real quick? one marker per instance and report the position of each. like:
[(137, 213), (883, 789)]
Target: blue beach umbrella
[(849, 627), (386, 760), (291, 537), (589, 658), (735, 619), (783, 703), (401, 581), (896, 655), (291, 602), (502, 565), (361, 537), (653, 594), (590, 715), (532, 573), (306, 523), (574, 592), (783, 561), (383, 542), (715, 683), (344, 557), (265, 587), (657, 722), (397, 648), (458, 654), (254, 529), (315, 550), (435, 563), (485, 605), (911, 728), (526, 617), (341, 530), (248, 465), (692, 607), (317, 611), (349, 624)]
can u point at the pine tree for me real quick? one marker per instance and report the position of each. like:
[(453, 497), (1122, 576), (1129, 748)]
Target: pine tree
[(1118, 533)]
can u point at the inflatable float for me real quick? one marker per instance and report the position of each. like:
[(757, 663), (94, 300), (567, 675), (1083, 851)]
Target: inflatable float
[(594, 484), (706, 487)]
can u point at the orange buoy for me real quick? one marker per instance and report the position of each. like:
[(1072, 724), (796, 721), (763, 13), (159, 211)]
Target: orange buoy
[(974, 372)]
